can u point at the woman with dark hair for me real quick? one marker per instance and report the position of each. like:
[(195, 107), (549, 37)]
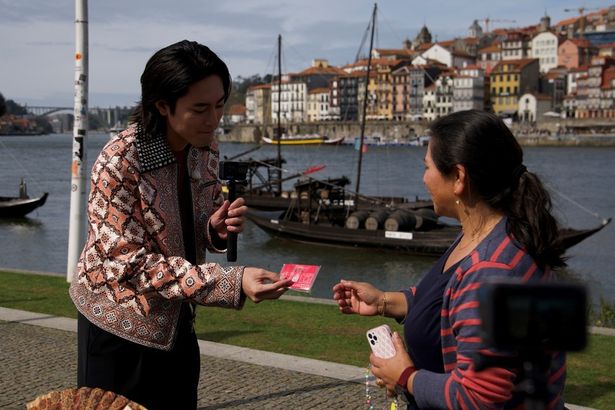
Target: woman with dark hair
[(154, 209), (474, 172)]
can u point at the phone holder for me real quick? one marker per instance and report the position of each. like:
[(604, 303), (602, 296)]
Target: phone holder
[(233, 172)]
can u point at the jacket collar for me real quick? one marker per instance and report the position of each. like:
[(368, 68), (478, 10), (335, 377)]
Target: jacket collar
[(154, 151)]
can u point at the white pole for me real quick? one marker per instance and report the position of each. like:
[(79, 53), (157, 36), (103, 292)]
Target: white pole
[(77, 186)]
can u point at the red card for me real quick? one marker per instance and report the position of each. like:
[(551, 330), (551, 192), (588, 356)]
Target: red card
[(302, 275)]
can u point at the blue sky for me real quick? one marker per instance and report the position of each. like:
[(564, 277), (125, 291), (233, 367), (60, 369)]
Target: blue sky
[(37, 48)]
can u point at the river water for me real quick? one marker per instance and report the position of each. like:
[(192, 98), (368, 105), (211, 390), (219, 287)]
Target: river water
[(581, 175)]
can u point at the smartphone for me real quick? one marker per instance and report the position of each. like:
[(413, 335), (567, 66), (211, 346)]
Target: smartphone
[(381, 342)]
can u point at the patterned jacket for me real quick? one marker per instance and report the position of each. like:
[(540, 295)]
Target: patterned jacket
[(461, 386), (132, 277)]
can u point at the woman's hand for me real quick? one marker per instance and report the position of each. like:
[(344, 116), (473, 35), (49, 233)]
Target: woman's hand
[(229, 218), (260, 284), (388, 371), (357, 297)]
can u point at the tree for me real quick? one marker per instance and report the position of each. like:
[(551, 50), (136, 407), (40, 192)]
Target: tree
[(2, 105), (43, 125), (13, 108), (241, 85)]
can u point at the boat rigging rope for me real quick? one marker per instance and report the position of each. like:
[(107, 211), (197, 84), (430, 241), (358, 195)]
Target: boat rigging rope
[(19, 164), (572, 201)]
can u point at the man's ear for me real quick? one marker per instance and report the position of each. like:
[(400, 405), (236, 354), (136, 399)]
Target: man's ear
[(163, 108), (459, 184)]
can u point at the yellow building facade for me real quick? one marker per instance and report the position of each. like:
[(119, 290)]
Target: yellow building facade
[(509, 80)]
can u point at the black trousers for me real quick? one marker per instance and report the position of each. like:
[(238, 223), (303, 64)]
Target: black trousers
[(157, 379)]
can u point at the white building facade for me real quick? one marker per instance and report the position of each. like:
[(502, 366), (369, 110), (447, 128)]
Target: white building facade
[(293, 101), (469, 90), (544, 48), (318, 107), (532, 106), (445, 56), (438, 98)]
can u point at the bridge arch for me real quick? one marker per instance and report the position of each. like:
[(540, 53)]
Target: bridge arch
[(46, 110)]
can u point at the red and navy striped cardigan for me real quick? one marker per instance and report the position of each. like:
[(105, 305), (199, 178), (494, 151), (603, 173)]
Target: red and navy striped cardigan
[(461, 387)]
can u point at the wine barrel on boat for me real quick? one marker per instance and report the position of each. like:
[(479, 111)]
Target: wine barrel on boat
[(356, 220), (400, 220), (429, 219), (405, 220), (376, 219)]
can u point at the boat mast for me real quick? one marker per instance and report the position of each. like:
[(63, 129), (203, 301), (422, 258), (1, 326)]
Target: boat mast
[(77, 194), (369, 65), (279, 131)]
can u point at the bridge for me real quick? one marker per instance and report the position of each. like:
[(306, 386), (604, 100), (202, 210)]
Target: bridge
[(41, 110), (108, 116)]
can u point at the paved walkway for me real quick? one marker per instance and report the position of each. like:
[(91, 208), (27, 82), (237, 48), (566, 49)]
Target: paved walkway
[(38, 354)]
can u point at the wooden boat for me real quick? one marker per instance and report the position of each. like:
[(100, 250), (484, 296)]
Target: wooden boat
[(261, 190), (311, 139), (434, 241), (18, 207)]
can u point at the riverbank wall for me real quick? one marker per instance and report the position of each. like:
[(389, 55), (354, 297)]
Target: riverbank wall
[(387, 131), (557, 132)]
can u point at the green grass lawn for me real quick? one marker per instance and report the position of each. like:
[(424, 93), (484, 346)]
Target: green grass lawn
[(309, 330)]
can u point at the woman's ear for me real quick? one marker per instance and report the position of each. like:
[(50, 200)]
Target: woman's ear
[(459, 184), (163, 107)]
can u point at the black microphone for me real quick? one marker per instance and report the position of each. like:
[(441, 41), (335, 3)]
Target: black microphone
[(234, 172), (231, 238)]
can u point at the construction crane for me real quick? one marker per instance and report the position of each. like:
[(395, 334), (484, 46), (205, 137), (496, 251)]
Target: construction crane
[(488, 20), (582, 20), (581, 10)]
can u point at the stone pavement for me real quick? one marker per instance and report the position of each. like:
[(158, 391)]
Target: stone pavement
[(38, 353)]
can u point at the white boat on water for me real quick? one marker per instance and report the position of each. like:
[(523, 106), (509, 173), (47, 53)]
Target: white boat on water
[(381, 141)]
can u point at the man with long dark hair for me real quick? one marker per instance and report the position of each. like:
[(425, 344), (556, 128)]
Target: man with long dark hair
[(155, 207)]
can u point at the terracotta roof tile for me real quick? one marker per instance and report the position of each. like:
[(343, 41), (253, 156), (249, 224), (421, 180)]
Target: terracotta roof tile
[(518, 63), (237, 109), (446, 43), (471, 67), (424, 47), (579, 42), (395, 51), (471, 40), (566, 22), (320, 71), (490, 49), (319, 90), (259, 86)]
